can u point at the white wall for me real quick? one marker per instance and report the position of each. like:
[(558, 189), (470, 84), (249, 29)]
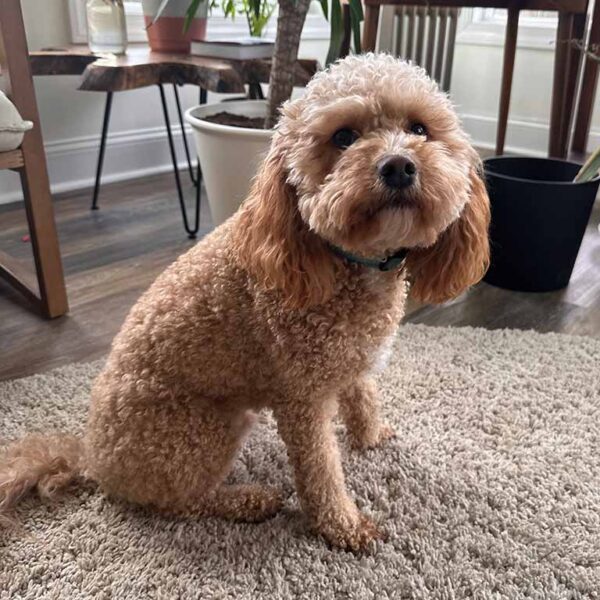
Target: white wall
[(476, 91), (71, 120)]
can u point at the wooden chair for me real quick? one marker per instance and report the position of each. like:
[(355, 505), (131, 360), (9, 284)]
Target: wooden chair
[(413, 26), (49, 295), (587, 95), (567, 58)]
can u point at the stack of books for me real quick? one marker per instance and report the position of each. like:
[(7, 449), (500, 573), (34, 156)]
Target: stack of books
[(241, 49)]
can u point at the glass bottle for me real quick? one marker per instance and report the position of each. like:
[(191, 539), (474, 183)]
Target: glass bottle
[(107, 31)]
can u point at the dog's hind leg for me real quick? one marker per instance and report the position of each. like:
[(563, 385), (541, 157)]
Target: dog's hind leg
[(236, 502), (175, 456), (243, 502)]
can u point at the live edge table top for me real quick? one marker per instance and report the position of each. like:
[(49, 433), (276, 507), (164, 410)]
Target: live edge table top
[(141, 67)]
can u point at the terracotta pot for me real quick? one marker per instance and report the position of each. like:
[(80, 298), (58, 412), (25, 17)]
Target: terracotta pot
[(166, 33)]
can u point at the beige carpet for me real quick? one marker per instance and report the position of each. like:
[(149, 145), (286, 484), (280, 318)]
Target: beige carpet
[(490, 490)]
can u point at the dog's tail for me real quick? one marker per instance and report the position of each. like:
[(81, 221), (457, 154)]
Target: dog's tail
[(44, 464)]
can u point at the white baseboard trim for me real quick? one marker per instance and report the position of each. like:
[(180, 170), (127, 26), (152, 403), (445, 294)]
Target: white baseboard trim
[(139, 153), (129, 155), (523, 137)]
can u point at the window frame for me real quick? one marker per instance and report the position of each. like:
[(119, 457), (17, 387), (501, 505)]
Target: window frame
[(315, 27), (487, 26)]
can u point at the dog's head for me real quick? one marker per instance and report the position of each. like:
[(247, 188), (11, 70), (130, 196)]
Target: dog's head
[(371, 159)]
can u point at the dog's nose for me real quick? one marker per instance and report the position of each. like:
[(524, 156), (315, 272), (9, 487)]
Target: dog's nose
[(397, 171)]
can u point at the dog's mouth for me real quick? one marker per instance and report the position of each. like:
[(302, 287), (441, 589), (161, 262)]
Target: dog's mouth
[(398, 200), (404, 199)]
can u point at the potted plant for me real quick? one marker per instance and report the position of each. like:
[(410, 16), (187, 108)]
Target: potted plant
[(257, 13), (222, 143), (173, 24), (540, 211)]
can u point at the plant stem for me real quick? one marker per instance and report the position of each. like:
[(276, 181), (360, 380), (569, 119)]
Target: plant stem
[(292, 14)]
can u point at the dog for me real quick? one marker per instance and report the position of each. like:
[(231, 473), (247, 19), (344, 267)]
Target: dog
[(370, 186)]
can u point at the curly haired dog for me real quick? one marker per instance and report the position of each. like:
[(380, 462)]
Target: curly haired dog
[(288, 305)]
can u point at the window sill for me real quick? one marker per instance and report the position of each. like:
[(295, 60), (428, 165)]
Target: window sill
[(315, 28)]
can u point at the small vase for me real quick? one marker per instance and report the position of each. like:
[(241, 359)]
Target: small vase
[(107, 29), (166, 34)]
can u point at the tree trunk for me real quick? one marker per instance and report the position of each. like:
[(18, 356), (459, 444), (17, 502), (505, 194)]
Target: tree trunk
[(292, 14)]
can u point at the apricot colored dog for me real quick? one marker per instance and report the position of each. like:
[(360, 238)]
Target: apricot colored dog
[(289, 305)]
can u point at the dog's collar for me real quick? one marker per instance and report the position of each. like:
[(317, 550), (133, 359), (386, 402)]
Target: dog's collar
[(389, 263)]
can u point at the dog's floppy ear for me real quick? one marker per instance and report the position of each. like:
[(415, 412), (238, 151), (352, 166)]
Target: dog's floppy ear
[(460, 257), (276, 246)]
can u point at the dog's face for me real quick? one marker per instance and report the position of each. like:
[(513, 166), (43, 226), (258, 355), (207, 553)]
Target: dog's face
[(371, 159), (377, 157)]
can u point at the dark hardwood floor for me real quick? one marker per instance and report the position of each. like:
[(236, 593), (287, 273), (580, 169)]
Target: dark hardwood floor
[(113, 254)]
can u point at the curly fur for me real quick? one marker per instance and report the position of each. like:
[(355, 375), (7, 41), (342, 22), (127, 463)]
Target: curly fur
[(43, 463), (261, 314)]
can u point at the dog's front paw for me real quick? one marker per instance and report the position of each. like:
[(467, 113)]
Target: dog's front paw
[(373, 438), (355, 534), (386, 432)]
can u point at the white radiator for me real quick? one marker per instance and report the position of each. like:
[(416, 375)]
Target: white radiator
[(426, 35)]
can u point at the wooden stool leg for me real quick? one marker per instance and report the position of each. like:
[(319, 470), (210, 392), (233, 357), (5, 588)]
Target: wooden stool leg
[(583, 117), (510, 49), (371, 25), (561, 62)]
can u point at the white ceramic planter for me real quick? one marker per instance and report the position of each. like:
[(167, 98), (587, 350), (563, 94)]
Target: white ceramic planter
[(229, 156)]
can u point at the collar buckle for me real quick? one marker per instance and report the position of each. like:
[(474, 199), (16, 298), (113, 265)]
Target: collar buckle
[(391, 263)]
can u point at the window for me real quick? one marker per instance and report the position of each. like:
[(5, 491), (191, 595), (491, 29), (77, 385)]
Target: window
[(135, 21), (486, 26), (315, 28)]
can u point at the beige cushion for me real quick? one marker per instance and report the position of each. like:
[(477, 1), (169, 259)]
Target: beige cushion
[(12, 127)]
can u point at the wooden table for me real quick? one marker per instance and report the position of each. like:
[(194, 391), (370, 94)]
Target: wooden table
[(571, 25), (139, 68)]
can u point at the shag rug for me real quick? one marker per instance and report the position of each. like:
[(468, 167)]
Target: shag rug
[(490, 490)]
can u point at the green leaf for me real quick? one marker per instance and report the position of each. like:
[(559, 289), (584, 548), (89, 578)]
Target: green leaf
[(191, 13), (229, 9), (590, 168), (255, 6), (256, 12), (356, 16), (159, 11), (337, 32), (325, 8)]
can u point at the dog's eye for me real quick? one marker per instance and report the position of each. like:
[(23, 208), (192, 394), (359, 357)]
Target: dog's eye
[(418, 129), (343, 138)]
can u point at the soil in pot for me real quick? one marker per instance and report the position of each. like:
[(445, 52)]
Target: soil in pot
[(226, 118)]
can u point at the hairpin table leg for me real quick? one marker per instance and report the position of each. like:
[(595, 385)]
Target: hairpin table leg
[(255, 91), (195, 180), (105, 123), (191, 231)]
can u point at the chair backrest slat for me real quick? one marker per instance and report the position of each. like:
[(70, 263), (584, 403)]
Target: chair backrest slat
[(426, 36)]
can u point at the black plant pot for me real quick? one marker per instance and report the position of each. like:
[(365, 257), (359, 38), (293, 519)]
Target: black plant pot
[(538, 220)]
